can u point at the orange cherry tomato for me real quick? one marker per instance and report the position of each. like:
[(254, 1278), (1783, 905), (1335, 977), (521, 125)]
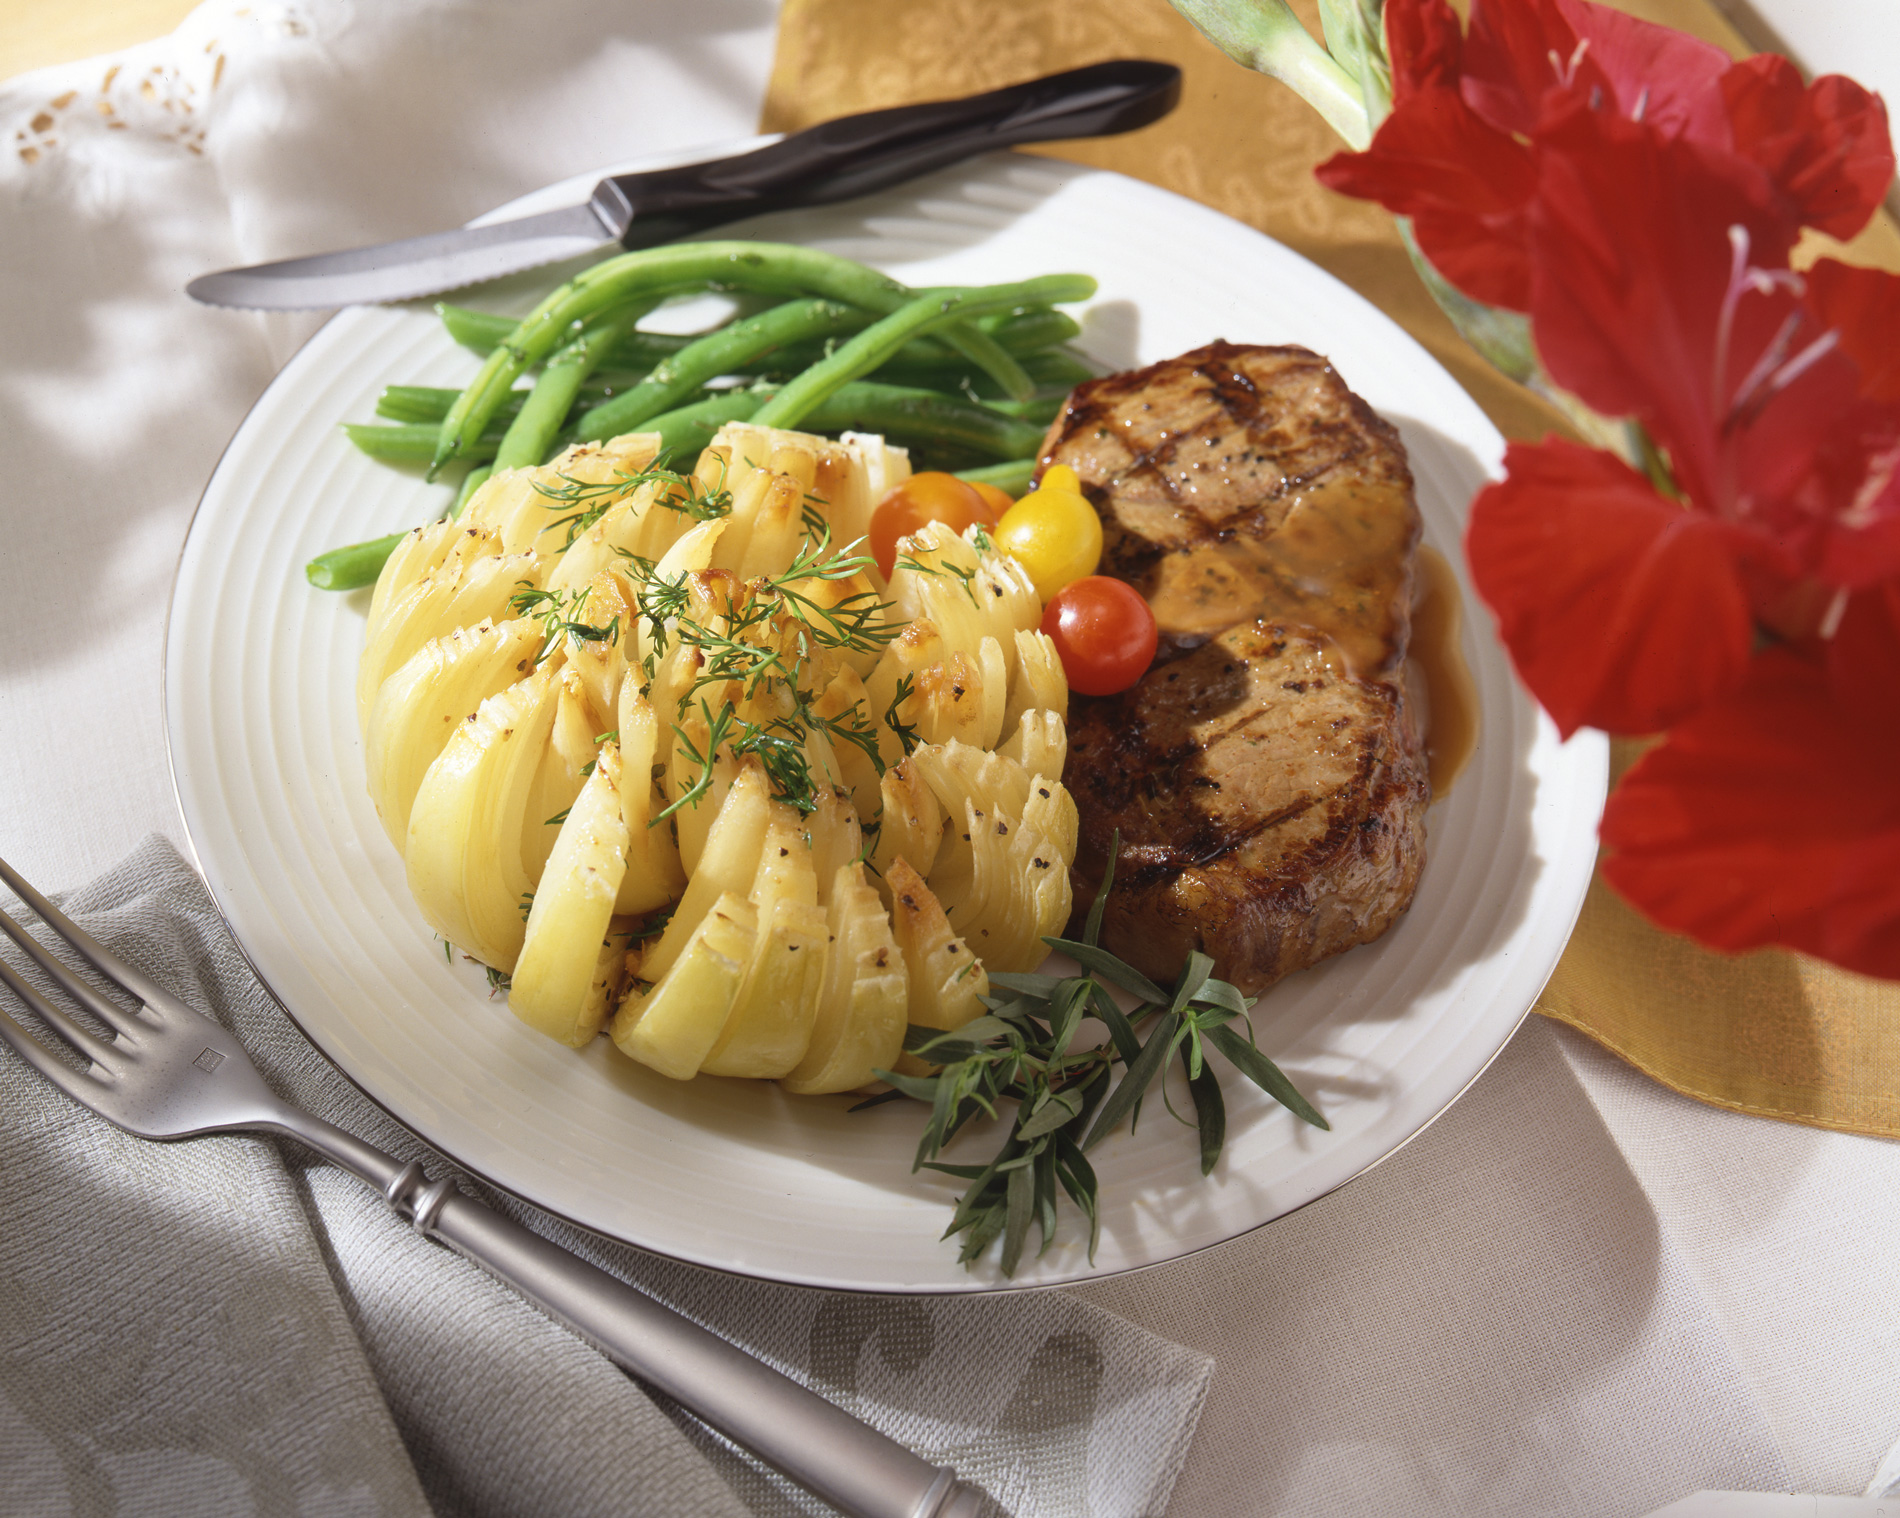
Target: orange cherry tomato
[(999, 498), (927, 497), (1104, 632)]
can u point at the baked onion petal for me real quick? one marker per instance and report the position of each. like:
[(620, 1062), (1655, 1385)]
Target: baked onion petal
[(1622, 610), (1772, 816)]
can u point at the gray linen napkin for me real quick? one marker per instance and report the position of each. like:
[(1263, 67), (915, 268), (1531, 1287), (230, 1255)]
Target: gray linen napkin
[(228, 1326)]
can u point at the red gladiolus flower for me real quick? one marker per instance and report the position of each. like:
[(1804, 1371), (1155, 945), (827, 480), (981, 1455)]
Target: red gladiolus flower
[(1661, 292), (1459, 152), (1622, 610), (1826, 149), (1521, 53), (1772, 816)]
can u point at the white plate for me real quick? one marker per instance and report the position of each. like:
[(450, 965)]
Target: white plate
[(259, 697)]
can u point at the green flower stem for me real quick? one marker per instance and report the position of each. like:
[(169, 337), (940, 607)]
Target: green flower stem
[(1265, 36)]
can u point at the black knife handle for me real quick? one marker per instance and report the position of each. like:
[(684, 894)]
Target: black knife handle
[(855, 155)]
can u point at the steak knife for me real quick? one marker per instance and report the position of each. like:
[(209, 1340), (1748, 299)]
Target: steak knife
[(833, 161)]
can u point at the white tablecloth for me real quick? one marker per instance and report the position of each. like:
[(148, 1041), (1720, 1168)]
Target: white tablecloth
[(1575, 1294)]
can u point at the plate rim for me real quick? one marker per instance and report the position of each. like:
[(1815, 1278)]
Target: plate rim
[(1588, 747)]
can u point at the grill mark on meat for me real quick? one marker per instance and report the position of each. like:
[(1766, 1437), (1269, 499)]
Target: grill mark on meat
[(1266, 780)]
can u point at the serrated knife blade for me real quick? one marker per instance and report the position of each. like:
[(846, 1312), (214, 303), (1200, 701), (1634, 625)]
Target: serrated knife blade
[(836, 160)]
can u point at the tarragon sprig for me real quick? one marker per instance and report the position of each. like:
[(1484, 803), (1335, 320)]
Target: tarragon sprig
[(1068, 1099)]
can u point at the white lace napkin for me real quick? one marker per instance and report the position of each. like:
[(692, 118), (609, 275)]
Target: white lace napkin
[(226, 1326)]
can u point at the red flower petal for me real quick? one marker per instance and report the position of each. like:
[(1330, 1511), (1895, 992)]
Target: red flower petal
[(1466, 187), (1863, 306), (1826, 146), (1631, 258), (1771, 816), (1426, 46), (1622, 610), (1521, 50), (1863, 656)]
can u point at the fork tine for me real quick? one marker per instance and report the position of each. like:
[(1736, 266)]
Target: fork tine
[(89, 949), (61, 1022), (79, 1086), (113, 1016)]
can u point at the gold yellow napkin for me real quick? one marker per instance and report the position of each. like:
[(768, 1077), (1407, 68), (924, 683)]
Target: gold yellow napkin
[(1767, 1033)]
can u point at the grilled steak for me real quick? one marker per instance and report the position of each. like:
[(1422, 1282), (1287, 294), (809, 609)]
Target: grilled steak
[(1266, 775)]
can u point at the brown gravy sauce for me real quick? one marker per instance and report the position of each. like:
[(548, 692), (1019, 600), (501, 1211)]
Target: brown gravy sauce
[(1336, 562), (1451, 695)]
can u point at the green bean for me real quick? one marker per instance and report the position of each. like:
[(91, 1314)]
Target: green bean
[(877, 343), (542, 413), (430, 403), (768, 267), (1037, 327), (992, 358), (483, 332), (1042, 409), (727, 351), (922, 416), (687, 430), (1058, 369), (923, 361), (1013, 477), (411, 442), (352, 567)]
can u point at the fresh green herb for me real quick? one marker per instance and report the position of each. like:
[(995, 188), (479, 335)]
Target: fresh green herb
[(941, 567), (654, 926), (595, 498), (1068, 1099), (905, 732), (558, 611), (773, 642), (718, 725)]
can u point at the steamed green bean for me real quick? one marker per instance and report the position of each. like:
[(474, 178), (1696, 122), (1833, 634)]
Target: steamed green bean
[(878, 342), (768, 268), (727, 351), (539, 421)]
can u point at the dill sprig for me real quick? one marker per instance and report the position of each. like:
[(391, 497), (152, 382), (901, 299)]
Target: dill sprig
[(859, 621), (905, 732), (558, 611), (778, 643), (943, 566), (595, 498), (1068, 1099)]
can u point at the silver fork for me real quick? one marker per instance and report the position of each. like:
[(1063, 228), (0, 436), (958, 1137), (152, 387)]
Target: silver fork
[(171, 1072)]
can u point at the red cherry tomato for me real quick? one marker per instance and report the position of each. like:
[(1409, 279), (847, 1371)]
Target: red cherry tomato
[(927, 497), (1104, 632)]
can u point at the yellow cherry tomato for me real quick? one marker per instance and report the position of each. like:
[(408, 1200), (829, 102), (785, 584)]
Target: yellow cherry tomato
[(1053, 532)]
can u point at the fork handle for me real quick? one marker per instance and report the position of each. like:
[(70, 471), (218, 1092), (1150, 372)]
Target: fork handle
[(796, 1431)]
